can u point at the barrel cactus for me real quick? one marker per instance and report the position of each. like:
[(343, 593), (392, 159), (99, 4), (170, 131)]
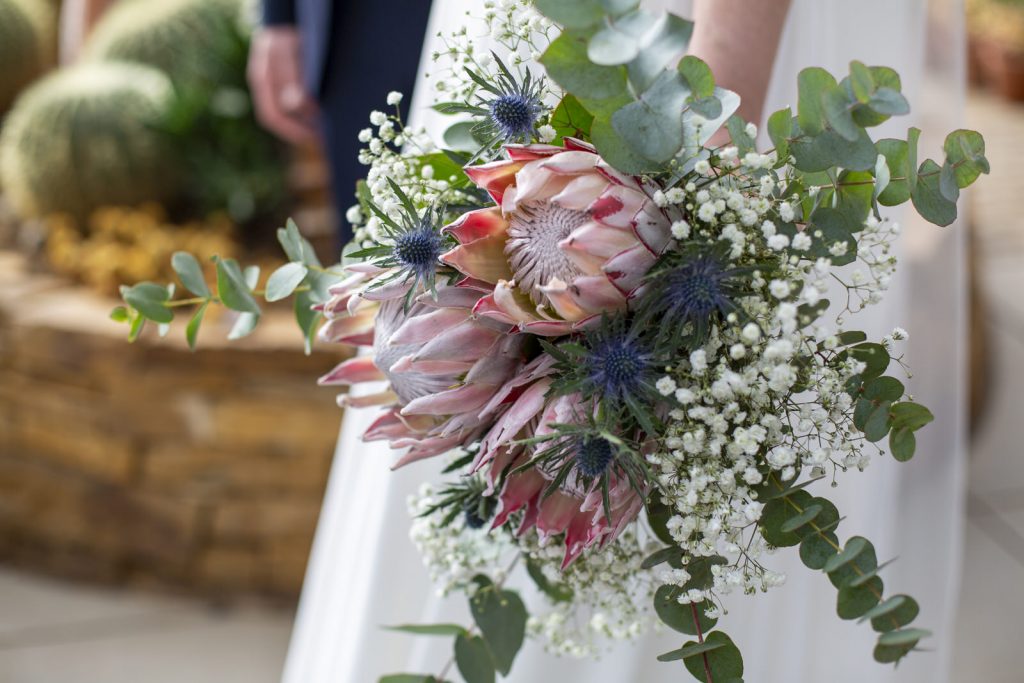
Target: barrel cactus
[(83, 138), (26, 45), (183, 38)]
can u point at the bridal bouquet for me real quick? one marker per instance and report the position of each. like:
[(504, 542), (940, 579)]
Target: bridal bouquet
[(623, 326)]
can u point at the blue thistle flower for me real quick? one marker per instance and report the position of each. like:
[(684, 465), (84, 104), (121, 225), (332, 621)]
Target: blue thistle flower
[(617, 365), (515, 114), (413, 245), (688, 291), (594, 455), (418, 249), (506, 108)]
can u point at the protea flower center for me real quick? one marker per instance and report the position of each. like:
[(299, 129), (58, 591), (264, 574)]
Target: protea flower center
[(514, 114), (419, 249), (593, 456), (697, 287), (534, 233)]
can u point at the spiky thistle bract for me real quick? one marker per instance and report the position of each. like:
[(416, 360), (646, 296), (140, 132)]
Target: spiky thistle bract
[(412, 247)]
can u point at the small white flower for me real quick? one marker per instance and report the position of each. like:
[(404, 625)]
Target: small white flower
[(365, 135), (354, 215), (394, 98), (786, 212), (778, 242), (899, 334), (779, 288), (547, 133), (680, 230), (801, 241), (378, 118), (751, 130), (751, 333), (702, 167), (665, 386)]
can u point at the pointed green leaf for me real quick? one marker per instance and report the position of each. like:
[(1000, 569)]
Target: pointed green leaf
[(501, 618), (680, 617), (430, 629), (232, 289), (725, 661), (192, 329), (812, 84)]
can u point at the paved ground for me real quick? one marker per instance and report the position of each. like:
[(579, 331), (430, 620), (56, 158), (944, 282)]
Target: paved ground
[(55, 632)]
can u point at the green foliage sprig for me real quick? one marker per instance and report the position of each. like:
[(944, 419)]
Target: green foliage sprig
[(236, 289)]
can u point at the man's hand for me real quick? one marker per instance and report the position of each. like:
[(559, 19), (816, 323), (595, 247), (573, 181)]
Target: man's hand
[(275, 76)]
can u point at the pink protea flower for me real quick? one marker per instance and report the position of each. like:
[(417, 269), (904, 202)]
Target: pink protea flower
[(442, 364), (576, 508), (570, 238)]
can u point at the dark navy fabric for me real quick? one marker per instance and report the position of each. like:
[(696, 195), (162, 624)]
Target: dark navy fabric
[(354, 53)]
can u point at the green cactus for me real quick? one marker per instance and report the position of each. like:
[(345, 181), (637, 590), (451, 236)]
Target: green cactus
[(25, 45), (179, 37), (83, 138)]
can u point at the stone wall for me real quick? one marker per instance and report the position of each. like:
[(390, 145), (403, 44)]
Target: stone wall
[(148, 463)]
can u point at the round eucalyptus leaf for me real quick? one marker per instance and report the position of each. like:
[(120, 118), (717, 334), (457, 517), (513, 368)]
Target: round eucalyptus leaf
[(815, 550), (725, 662), (855, 601), (856, 559), (681, 617), (473, 659), (894, 613)]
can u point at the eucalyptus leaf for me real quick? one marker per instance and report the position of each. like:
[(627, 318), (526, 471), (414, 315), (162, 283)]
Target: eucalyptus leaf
[(430, 629), (902, 444), (192, 329), (501, 617), (663, 48), (894, 613), (283, 281), (878, 422), (232, 288), (698, 76), (855, 601), (861, 81), (965, 151), (307, 318), (897, 190), (911, 415), (148, 299), (244, 325), (947, 182), (678, 616), (291, 240), (190, 273), (473, 659), (614, 149), (724, 660), (780, 127), (567, 64), (812, 84), (928, 198), (653, 126), (572, 14), (839, 113)]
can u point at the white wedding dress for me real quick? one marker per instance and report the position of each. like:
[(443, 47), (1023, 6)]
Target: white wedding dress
[(364, 571)]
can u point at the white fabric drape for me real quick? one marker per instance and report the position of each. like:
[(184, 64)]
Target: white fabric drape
[(364, 572)]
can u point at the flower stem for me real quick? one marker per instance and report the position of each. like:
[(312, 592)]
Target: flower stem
[(700, 639)]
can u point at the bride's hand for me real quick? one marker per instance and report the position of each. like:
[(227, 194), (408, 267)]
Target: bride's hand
[(739, 40)]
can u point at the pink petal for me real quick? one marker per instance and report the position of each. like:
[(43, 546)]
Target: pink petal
[(395, 289), (478, 224), (348, 329), (512, 302), (494, 176), (572, 162), (387, 426), (594, 293), (557, 293), (419, 329), (427, 448), (353, 371), (618, 207), (467, 341), (488, 308), (464, 399), (575, 144), (430, 367), (556, 512), (519, 489), (547, 328), (627, 270), (652, 229), (531, 152), (450, 297), (379, 399), (483, 259), (525, 408), (579, 194), (599, 240)]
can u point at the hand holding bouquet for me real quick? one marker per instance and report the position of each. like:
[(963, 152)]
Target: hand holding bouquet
[(621, 338)]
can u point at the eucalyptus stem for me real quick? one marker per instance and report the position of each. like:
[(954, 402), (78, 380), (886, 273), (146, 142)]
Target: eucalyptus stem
[(700, 639)]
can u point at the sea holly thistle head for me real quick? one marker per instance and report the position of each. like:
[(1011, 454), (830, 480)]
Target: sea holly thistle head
[(507, 109), (581, 457), (468, 497), (411, 247), (689, 291), (615, 366)]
